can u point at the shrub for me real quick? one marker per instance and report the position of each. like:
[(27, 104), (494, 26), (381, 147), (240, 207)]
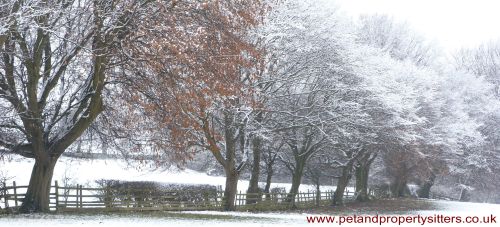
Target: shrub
[(143, 191)]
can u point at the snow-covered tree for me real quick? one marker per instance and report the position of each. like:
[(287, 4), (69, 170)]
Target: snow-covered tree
[(482, 161), (313, 90), (397, 39), (439, 117), (56, 58)]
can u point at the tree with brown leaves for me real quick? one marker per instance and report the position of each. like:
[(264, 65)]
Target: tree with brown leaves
[(196, 65)]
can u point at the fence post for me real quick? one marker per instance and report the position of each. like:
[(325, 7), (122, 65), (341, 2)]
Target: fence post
[(107, 200), (57, 194), (15, 193), (5, 192), (220, 198), (81, 196), (239, 201), (128, 199), (76, 197)]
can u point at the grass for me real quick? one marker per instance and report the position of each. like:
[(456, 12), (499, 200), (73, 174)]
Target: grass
[(379, 206)]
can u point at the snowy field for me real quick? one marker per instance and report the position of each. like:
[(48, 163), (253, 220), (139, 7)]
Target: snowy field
[(146, 220), (240, 219), (169, 219), (86, 172)]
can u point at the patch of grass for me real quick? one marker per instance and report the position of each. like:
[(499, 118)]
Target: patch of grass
[(265, 206), (381, 206)]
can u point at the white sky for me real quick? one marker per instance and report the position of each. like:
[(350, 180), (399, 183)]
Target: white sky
[(452, 23)]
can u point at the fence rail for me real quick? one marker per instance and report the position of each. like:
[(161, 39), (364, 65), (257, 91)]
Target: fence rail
[(442, 197), (78, 198)]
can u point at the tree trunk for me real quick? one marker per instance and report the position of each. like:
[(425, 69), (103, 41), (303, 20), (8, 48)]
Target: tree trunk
[(343, 181), (253, 186), (229, 163), (425, 189), (464, 195), (398, 187), (296, 180), (230, 190), (318, 194), (38, 194), (269, 177), (362, 172)]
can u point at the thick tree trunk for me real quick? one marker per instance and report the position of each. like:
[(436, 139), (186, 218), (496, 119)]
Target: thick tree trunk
[(298, 172), (362, 172), (342, 182), (229, 163), (38, 194), (253, 186), (230, 190), (398, 187), (425, 189)]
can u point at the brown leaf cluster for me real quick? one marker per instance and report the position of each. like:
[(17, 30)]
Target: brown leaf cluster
[(190, 59)]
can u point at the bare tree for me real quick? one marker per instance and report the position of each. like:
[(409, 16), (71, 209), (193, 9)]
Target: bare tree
[(55, 61)]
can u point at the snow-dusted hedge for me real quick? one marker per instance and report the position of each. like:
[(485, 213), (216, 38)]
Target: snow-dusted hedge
[(115, 190)]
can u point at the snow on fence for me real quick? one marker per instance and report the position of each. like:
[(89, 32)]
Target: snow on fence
[(79, 198)]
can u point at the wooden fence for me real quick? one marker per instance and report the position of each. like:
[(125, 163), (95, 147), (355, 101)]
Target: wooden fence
[(442, 197), (79, 198)]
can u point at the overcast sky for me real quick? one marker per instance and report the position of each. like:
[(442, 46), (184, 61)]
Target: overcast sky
[(452, 23)]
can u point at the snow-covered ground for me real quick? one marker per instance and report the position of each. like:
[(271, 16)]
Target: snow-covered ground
[(86, 172), (462, 208), (145, 220), (240, 219), (151, 221)]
